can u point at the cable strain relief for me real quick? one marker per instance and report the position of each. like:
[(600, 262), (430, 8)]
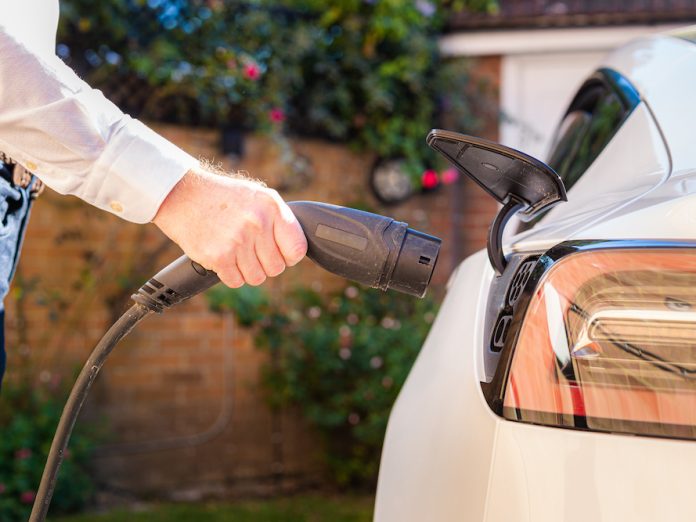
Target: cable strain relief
[(156, 296), (147, 302)]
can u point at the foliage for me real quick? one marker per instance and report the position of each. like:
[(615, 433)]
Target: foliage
[(302, 508), (342, 358), (248, 302), (28, 418), (366, 72)]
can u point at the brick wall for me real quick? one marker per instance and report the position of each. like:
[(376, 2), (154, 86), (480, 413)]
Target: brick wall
[(181, 396)]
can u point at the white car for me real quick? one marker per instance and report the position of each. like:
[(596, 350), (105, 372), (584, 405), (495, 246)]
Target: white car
[(565, 388)]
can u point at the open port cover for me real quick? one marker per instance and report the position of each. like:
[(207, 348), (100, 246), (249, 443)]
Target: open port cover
[(501, 171)]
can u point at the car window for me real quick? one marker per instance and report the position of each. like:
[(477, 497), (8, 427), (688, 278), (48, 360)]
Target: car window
[(584, 132), (598, 110)]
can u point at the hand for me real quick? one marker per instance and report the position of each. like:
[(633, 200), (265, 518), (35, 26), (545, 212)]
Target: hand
[(235, 226)]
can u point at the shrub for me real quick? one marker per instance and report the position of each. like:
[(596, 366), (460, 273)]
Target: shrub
[(28, 418), (357, 71), (342, 359)]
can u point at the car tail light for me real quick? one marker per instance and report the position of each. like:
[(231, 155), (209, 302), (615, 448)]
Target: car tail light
[(608, 342)]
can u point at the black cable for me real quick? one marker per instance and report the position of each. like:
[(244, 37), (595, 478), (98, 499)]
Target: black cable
[(77, 397)]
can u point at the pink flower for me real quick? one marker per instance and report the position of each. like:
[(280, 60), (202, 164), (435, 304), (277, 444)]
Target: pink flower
[(450, 176), (276, 115), (376, 362), (23, 454), (3, 488), (252, 71), (426, 8), (429, 179), (27, 497)]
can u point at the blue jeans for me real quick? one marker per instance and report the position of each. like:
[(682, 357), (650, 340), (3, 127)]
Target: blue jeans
[(15, 204)]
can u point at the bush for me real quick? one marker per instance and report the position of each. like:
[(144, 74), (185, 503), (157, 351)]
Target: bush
[(342, 359), (362, 72), (28, 418)]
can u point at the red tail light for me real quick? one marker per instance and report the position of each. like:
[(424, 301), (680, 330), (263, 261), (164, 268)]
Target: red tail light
[(608, 342)]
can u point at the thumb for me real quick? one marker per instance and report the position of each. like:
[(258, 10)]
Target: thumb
[(288, 234)]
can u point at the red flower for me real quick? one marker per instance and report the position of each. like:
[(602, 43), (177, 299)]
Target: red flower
[(3, 488), (27, 497), (252, 71), (276, 115), (450, 176), (429, 179), (23, 454)]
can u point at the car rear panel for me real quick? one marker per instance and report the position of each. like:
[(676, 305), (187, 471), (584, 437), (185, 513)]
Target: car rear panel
[(441, 433), (545, 474)]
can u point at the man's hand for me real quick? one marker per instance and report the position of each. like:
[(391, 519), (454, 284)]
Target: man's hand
[(237, 227)]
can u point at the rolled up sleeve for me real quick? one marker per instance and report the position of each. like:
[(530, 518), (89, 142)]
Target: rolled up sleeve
[(77, 141)]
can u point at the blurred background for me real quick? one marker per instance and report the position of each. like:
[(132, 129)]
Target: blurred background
[(270, 403)]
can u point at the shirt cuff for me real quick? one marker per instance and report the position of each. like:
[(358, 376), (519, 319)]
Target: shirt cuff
[(136, 171)]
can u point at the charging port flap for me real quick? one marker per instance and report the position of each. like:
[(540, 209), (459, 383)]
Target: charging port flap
[(523, 184)]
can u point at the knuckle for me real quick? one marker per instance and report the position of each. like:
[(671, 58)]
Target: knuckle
[(275, 199), (254, 221), (275, 202), (276, 268), (256, 279), (233, 282), (206, 261), (266, 200), (209, 261), (231, 278), (221, 261), (253, 273)]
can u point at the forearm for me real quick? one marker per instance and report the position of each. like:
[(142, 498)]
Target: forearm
[(77, 141)]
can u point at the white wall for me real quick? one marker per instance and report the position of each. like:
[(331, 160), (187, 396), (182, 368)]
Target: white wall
[(535, 92)]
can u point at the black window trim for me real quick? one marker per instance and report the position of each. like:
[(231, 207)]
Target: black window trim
[(616, 83)]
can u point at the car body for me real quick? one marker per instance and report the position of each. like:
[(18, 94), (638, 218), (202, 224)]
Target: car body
[(448, 454)]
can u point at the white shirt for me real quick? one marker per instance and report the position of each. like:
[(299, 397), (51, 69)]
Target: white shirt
[(67, 133)]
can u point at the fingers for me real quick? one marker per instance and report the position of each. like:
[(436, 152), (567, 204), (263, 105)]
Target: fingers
[(230, 275), (269, 256), (250, 266), (288, 234)]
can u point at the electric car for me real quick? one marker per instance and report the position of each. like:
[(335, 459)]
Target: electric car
[(558, 381)]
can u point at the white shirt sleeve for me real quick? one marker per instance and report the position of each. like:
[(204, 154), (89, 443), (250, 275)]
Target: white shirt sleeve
[(77, 141)]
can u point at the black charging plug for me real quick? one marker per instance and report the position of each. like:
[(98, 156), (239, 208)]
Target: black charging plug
[(368, 248)]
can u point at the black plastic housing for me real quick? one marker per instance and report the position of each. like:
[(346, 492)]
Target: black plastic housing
[(374, 250), (368, 248)]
